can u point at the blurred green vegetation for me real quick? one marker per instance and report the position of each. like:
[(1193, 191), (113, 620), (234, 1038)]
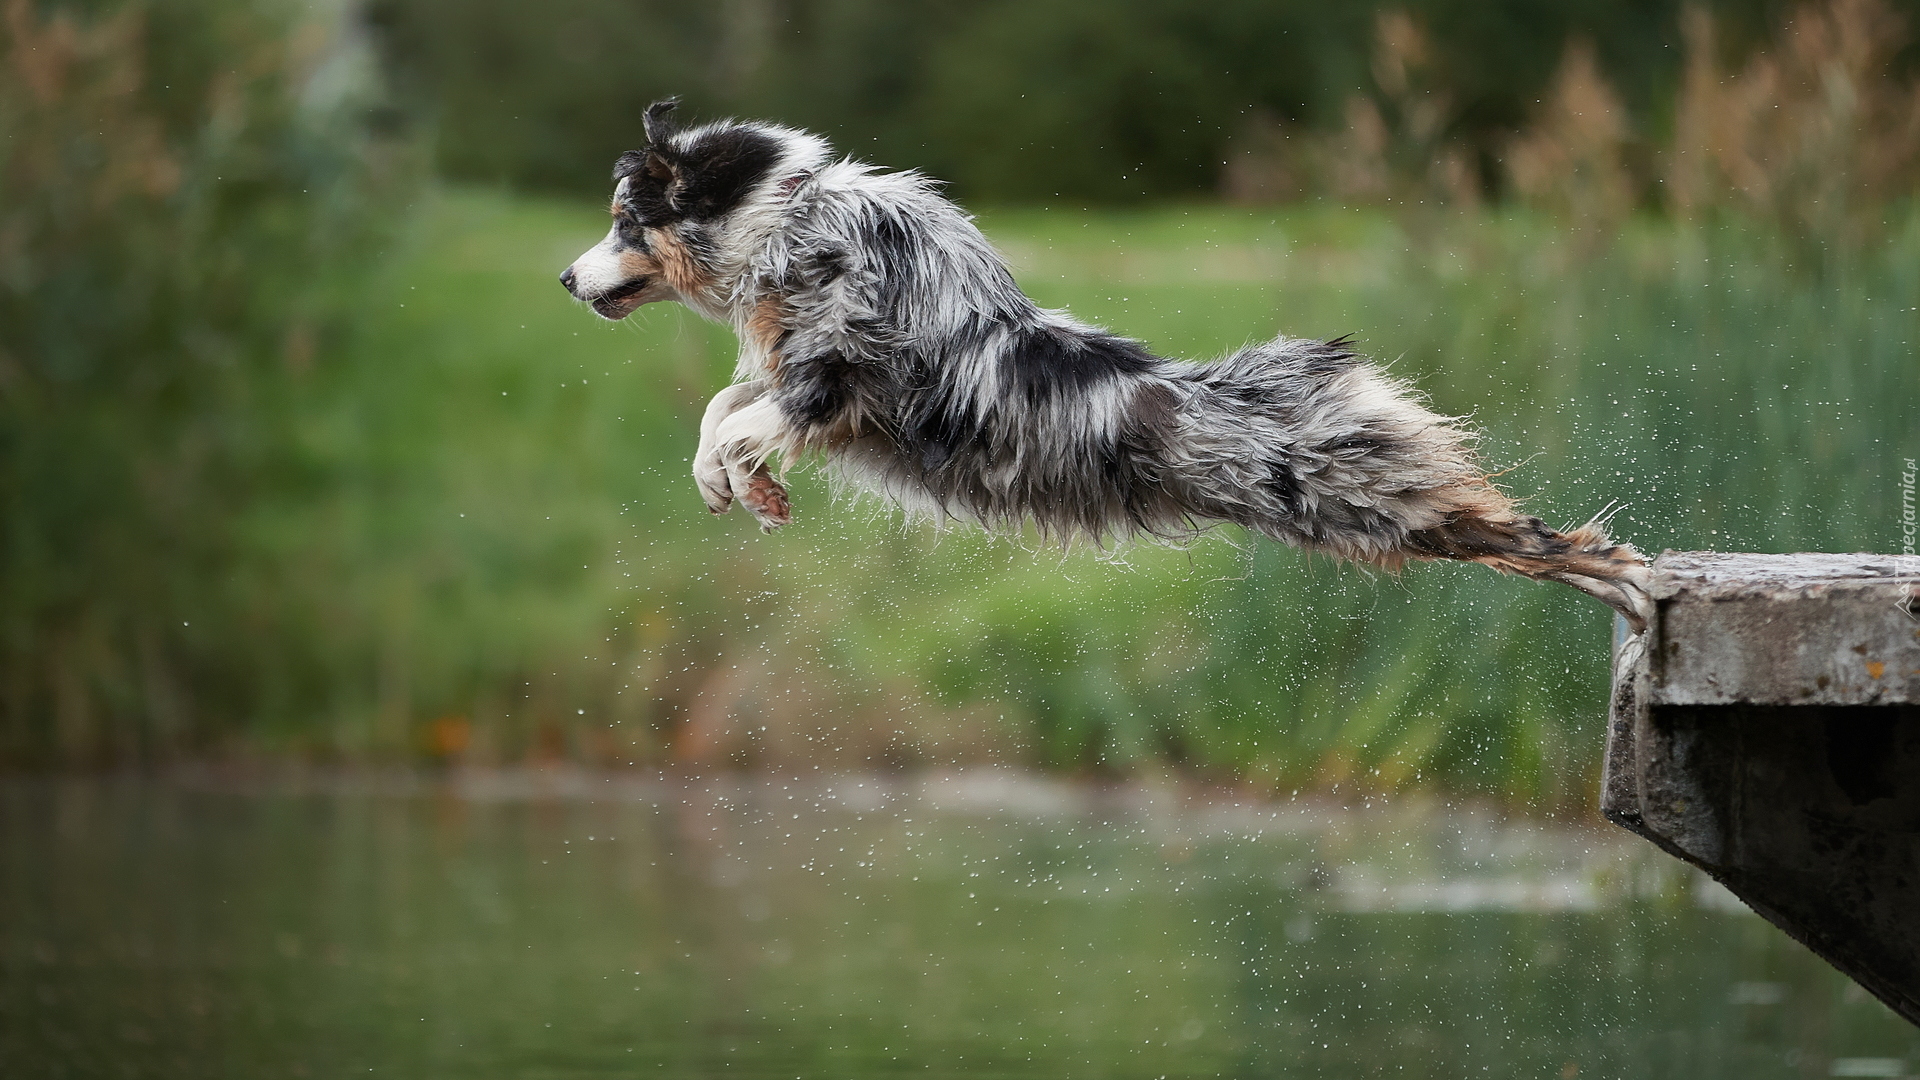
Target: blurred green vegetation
[(266, 493), (1010, 100), (183, 190)]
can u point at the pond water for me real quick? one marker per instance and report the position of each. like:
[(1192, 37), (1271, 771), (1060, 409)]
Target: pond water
[(985, 924)]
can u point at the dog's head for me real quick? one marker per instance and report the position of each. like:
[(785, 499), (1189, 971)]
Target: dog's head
[(672, 201)]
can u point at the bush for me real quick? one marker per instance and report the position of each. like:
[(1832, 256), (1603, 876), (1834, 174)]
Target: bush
[(183, 189)]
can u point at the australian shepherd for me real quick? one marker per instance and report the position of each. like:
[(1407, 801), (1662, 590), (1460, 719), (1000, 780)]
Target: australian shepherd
[(881, 332)]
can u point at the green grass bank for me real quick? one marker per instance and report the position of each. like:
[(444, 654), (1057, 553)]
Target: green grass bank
[(488, 548)]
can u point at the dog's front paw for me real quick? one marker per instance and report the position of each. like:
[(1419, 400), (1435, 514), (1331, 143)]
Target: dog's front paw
[(710, 475), (764, 496)]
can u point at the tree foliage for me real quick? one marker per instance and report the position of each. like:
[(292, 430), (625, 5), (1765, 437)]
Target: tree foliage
[(1009, 100), (177, 183)]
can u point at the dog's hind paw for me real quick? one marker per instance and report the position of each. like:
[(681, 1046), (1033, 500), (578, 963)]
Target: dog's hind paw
[(767, 500), (1625, 594)]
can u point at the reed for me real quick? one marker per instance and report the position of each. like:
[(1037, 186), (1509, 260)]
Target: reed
[(1814, 135)]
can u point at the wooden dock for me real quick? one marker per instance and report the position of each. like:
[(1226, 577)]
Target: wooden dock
[(1766, 729)]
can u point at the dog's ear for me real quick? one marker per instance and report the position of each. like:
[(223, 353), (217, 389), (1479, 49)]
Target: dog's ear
[(659, 121), (659, 160), (668, 173), (630, 163), (657, 179), (700, 175)]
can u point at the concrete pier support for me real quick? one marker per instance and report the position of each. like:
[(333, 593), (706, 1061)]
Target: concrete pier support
[(1766, 728)]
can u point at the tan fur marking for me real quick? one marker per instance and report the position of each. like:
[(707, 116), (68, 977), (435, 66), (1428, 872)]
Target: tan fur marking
[(828, 438), (1487, 527), (765, 325), (637, 264), (678, 265)]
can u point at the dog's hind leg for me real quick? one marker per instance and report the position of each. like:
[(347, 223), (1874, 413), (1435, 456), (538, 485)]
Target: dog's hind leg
[(1484, 526)]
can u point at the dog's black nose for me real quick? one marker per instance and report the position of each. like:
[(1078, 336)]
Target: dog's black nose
[(566, 278)]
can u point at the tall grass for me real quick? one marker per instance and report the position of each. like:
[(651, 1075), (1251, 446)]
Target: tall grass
[(1815, 133)]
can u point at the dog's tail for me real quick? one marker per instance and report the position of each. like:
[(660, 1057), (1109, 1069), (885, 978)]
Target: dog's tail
[(1483, 525), (1369, 473)]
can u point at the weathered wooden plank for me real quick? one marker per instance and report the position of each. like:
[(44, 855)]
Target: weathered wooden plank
[(1808, 629), (1766, 728)]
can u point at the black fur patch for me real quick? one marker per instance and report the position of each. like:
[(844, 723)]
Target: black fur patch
[(814, 389), (938, 435), (658, 121), (633, 235), (718, 171), (828, 265), (1152, 417), (1284, 483), (1331, 357), (629, 163), (1141, 442), (889, 248), (673, 180), (1352, 446), (648, 195), (1048, 361)]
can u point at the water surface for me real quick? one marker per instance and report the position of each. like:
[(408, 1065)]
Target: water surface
[(534, 925)]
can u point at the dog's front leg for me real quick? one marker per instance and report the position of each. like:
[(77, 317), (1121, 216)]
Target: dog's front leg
[(742, 442), (709, 471)]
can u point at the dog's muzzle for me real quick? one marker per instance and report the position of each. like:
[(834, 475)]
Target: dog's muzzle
[(609, 304)]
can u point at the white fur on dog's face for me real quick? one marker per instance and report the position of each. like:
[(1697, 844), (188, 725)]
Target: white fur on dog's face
[(618, 274), (615, 279)]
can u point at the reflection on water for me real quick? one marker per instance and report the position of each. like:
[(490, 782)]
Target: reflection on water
[(984, 925)]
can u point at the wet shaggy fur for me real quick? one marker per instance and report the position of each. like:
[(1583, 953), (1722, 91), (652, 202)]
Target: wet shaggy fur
[(880, 331)]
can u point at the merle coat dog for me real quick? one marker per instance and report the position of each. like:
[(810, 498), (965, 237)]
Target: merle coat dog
[(881, 332)]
